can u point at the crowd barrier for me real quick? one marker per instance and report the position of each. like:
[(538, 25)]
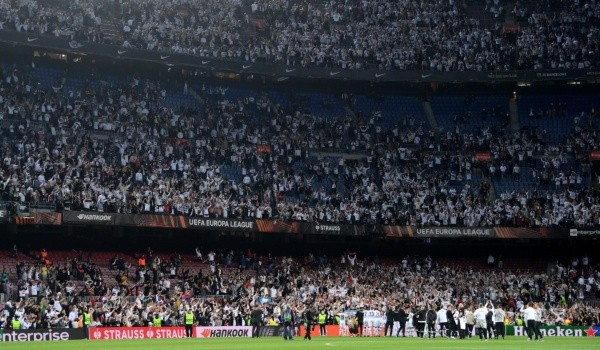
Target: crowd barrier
[(124, 333), (77, 218)]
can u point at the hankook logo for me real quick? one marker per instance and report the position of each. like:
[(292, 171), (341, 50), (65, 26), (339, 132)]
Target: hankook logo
[(95, 217)]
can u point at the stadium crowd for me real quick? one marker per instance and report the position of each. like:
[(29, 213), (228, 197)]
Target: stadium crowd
[(119, 147), (439, 35), (225, 287)]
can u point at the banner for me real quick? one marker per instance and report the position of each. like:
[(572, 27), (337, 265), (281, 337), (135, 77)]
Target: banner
[(453, 232), (309, 228), (25, 220), (150, 220), (221, 224), (273, 226), (223, 332), (483, 157), (496, 232), (594, 155), (576, 232), (528, 232), (557, 331), (39, 218), (55, 334), (47, 218), (110, 333), (395, 231), (510, 28), (88, 218), (3, 215), (176, 141), (265, 149), (296, 227)]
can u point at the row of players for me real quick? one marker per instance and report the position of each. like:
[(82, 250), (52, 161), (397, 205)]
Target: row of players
[(486, 322)]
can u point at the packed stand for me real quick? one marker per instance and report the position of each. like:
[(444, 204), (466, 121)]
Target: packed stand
[(222, 288), (118, 174), (405, 35), (120, 147), (557, 34)]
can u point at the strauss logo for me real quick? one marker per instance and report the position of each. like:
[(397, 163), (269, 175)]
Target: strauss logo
[(97, 334)]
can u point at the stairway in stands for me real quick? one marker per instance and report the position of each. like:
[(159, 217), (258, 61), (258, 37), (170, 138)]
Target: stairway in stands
[(431, 116), (515, 123)]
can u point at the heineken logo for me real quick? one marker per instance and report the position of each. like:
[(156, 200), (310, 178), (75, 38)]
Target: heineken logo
[(557, 331)]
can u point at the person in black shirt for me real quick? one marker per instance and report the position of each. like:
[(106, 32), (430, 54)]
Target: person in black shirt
[(308, 321), (256, 317), (360, 317), (489, 322), (431, 318), (452, 326), (401, 317), (419, 320), (389, 322)]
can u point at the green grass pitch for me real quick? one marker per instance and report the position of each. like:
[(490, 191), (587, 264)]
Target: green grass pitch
[(271, 343)]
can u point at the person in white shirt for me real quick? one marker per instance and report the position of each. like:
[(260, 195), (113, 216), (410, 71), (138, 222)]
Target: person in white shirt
[(57, 305), (462, 325), (480, 322), (343, 326), (73, 317), (538, 321), (443, 321), (198, 254), (25, 323), (529, 313), (499, 315)]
